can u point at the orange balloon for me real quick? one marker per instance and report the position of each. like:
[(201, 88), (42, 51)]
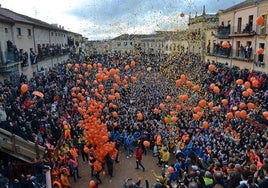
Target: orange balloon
[(168, 98), (225, 44), (140, 116), (146, 143), (178, 82), (211, 67), (259, 20), (156, 111), (255, 83), (127, 67), (132, 63), (250, 91), (174, 119), (202, 103), (239, 82), (162, 106), (205, 125), (196, 88), (101, 87), (183, 77), (247, 84), (212, 86), (92, 184), (166, 120), (24, 88), (265, 114), (229, 115), (117, 95), (183, 97), (69, 65), (133, 78), (170, 169), (210, 104), (76, 69), (243, 114), (115, 86), (196, 116), (114, 114), (178, 107), (260, 51), (197, 109), (216, 108), (245, 93), (242, 105), (237, 113), (216, 89), (251, 105), (189, 84), (172, 113), (224, 101)]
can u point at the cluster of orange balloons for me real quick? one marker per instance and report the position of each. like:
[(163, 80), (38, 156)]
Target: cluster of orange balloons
[(92, 98)]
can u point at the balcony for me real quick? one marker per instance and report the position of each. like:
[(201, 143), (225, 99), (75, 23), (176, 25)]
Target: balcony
[(223, 32), (231, 53), (243, 31), (19, 148), (242, 55), (10, 63)]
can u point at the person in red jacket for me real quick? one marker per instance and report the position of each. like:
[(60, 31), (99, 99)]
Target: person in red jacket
[(139, 158)]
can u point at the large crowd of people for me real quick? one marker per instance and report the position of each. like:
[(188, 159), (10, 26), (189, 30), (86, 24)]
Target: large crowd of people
[(221, 142)]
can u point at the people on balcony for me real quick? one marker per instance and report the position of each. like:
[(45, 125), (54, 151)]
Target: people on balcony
[(25, 57), (33, 57), (248, 51), (247, 29), (241, 50)]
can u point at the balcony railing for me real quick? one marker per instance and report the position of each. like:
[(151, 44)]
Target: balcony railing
[(223, 32), (231, 53), (244, 30)]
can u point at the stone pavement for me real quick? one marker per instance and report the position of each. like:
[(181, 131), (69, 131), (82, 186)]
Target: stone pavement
[(122, 170)]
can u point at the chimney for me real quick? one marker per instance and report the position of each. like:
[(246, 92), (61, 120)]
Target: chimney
[(0, 6)]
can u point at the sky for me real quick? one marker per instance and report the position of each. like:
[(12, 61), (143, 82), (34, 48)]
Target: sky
[(106, 19)]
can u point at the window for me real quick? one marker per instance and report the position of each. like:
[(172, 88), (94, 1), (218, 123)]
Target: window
[(239, 25), (263, 26), (52, 33), (6, 30), (130, 43), (29, 32), (125, 43), (18, 31), (119, 44), (250, 22)]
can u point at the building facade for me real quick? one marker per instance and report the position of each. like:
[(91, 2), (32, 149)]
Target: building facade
[(238, 27), (29, 46)]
